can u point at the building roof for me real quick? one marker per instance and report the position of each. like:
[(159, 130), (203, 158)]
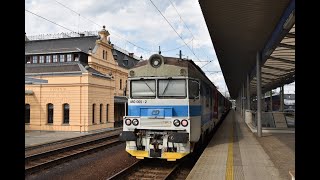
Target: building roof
[(62, 45), (61, 69), (239, 29), (29, 80), (121, 58), (121, 55)]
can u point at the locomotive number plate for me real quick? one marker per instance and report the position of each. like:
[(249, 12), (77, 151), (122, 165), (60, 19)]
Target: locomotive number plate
[(138, 101)]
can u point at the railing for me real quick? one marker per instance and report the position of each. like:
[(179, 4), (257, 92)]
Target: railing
[(290, 118), (62, 35), (273, 119)]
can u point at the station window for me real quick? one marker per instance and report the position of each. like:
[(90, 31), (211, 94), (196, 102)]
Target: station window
[(50, 113), (27, 114), (69, 57), (48, 59), (125, 88), (55, 58), (34, 59), (61, 58), (101, 113), (66, 112), (93, 108), (125, 61), (107, 113), (41, 59)]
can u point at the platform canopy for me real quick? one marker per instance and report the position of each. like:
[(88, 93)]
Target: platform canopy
[(239, 29)]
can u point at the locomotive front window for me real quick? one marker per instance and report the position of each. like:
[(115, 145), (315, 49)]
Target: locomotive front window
[(172, 88), (193, 89), (143, 88)]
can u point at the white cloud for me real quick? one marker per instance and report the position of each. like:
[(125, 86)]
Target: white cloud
[(137, 21)]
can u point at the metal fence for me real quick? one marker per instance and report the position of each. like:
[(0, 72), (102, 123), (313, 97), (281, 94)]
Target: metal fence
[(275, 119)]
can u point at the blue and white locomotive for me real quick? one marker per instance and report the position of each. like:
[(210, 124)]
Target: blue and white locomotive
[(172, 105)]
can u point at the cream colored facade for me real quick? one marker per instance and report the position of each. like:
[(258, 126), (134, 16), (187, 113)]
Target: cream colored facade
[(80, 91)]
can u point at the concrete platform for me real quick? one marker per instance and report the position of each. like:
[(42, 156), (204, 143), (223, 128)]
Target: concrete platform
[(33, 138), (236, 153)]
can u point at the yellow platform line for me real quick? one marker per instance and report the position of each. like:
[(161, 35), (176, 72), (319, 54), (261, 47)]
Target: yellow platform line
[(229, 170)]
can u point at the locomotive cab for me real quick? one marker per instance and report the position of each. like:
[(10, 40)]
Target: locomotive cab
[(169, 108)]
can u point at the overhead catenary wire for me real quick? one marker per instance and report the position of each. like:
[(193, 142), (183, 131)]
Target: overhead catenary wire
[(185, 24), (119, 36), (49, 21), (176, 32), (150, 51)]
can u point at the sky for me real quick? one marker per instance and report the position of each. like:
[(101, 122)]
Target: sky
[(138, 26)]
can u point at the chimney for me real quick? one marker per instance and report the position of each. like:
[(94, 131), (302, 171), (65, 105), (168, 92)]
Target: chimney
[(131, 54)]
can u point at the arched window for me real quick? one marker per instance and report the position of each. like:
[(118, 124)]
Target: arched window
[(107, 113), (103, 54), (66, 113), (120, 83), (93, 108), (101, 113), (50, 113), (27, 113), (125, 89)]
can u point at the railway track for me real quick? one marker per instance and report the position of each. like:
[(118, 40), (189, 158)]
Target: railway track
[(162, 169), (148, 169), (29, 149), (43, 160)]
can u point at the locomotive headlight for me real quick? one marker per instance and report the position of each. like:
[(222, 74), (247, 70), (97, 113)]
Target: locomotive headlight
[(184, 123), (135, 122), (156, 60), (128, 122), (176, 122)]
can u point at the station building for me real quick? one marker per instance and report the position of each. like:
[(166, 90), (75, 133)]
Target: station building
[(84, 85)]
